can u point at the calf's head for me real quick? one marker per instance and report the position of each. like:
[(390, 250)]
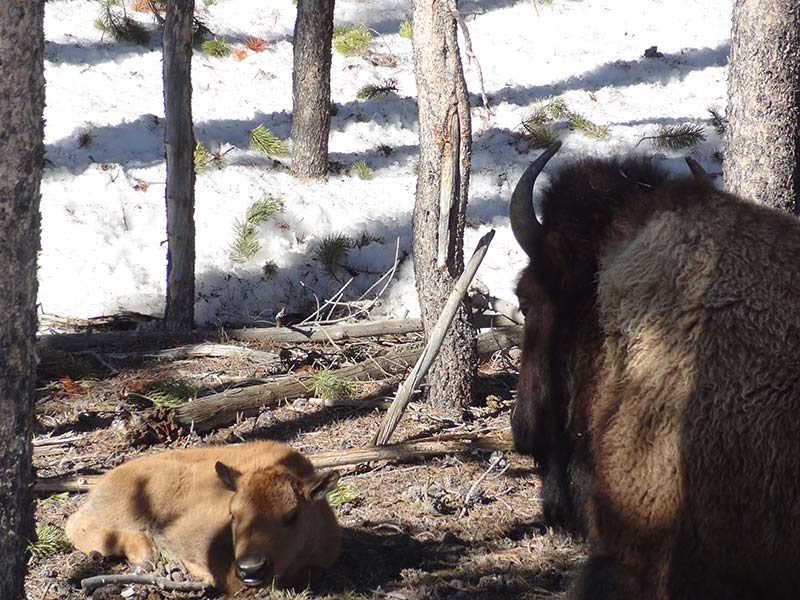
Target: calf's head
[(272, 518)]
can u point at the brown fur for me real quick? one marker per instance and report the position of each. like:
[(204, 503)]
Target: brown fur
[(660, 386), (179, 500)]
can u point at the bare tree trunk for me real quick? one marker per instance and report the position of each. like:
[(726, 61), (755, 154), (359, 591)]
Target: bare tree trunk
[(442, 186), (179, 314), (762, 143), (21, 137), (311, 87)]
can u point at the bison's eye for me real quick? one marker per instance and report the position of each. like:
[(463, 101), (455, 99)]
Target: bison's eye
[(290, 517)]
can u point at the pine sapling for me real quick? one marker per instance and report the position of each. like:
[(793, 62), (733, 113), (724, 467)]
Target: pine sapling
[(332, 252), (349, 40), (119, 25), (256, 44), (718, 121), (675, 137), (362, 170), (373, 90), (49, 541), (266, 142), (405, 30), (587, 127), (217, 48)]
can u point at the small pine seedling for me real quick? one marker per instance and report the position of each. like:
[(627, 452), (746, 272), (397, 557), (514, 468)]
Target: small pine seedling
[(266, 142), (351, 39), (119, 25), (202, 157), (256, 44), (718, 121), (170, 393), (341, 495), (217, 48), (49, 540), (587, 128), (372, 90), (332, 252), (245, 241), (326, 385), (405, 30), (362, 170), (263, 210), (675, 137), (270, 269), (85, 139), (538, 135)]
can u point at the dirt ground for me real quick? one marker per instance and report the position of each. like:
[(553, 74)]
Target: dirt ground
[(460, 526)]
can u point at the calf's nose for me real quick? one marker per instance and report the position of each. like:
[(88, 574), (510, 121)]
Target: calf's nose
[(253, 569)]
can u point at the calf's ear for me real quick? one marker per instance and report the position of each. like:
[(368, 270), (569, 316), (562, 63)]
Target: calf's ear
[(227, 475), (321, 484)]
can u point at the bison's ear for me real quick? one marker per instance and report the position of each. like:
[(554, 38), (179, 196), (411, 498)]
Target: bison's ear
[(321, 484), (227, 475)]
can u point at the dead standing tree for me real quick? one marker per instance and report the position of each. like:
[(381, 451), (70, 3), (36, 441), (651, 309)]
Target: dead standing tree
[(179, 314), (22, 140), (442, 185), (762, 143), (311, 87)]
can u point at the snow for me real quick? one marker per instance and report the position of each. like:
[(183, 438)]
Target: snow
[(103, 215)]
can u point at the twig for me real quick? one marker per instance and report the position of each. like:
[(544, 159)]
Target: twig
[(321, 308), (496, 459), (89, 584), (154, 9), (430, 351), (503, 307), (468, 50)]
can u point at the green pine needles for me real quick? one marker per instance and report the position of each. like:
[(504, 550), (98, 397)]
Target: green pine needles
[(115, 21), (587, 127), (341, 495), (405, 30), (537, 129), (170, 393), (326, 385), (362, 170), (217, 48), (266, 142), (676, 137), (373, 90), (350, 40), (245, 243), (49, 540), (332, 252)]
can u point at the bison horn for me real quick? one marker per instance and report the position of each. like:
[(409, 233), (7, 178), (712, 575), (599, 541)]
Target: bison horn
[(524, 223), (700, 175)]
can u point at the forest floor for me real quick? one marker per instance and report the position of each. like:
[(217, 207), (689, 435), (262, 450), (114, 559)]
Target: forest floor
[(466, 525)]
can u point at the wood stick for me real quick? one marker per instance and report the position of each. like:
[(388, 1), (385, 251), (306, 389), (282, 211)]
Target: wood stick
[(435, 340), (413, 450), (89, 584), (110, 340)]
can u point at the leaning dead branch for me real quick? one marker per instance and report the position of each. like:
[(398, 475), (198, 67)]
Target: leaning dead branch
[(435, 340), (468, 50), (420, 449), (89, 584)]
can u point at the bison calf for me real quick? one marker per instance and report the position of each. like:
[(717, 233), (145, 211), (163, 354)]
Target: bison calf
[(660, 380), (236, 515)]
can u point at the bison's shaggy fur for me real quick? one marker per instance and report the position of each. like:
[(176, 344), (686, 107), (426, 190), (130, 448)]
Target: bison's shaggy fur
[(186, 500), (660, 386)]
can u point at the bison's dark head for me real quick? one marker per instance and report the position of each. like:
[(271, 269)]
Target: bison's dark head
[(588, 207)]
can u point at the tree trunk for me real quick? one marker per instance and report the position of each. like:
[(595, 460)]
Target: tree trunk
[(762, 142), (441, 202), (179, 314), (311, 87), (21, 137)]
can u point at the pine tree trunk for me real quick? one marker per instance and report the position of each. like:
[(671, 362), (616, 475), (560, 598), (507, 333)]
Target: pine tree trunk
[(762, 142), (442, 186), (179, 314), (21, 138), (311, 88)]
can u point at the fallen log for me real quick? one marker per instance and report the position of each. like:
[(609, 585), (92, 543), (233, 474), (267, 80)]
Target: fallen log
[(224, 408), (430, 447)]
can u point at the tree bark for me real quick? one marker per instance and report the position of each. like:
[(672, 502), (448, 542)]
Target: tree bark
[(311, 88), (21, 138), (177, 40), (762, 142), (442, 186)]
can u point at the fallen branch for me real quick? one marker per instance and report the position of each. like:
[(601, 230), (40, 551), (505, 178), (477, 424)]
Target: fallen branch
[(226, 407), (456, 443), (89, 584), (203, 351), (435, 340)]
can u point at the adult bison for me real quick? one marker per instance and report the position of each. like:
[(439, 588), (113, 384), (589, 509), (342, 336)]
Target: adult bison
[(660, 384)]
